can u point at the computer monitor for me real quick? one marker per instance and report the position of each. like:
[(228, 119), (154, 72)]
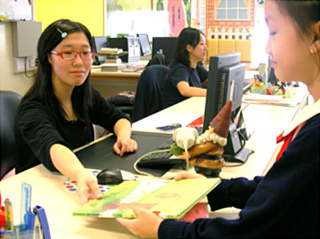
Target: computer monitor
[(124, 43), (98, 43), (145, 47), (164, 44), (225, 82)]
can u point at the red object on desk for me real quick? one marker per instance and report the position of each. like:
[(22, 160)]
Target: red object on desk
[(198, 211), (197, 123), (2, 214)]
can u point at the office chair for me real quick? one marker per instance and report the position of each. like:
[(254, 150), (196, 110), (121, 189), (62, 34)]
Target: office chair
[(8, 107), (157, 59), (124, 101), (148, 98)]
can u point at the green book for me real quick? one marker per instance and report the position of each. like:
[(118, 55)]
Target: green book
[(169, 199)]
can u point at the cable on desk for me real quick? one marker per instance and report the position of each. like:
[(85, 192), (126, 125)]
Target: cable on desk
[(187, 156), (148, 174)]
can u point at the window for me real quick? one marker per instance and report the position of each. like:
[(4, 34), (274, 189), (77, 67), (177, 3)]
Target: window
[(232, 10)]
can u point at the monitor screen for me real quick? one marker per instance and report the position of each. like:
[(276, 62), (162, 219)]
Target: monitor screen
[(145, 47), (164, 44), (98, 43), (225, 82), (124, 43)]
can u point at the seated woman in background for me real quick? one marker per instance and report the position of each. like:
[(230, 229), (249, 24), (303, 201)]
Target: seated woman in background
[(56, 115), (186, 73)]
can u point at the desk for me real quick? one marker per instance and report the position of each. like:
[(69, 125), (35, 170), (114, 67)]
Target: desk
[(110, 83), (48, 190), (97, 74), (267, 120)]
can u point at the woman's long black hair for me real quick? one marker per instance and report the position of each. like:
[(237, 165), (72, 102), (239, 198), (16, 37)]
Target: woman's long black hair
[(42, 89), (188, 36)]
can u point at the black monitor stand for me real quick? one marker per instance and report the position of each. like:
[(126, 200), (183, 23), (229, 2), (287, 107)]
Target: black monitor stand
[(235, 151)]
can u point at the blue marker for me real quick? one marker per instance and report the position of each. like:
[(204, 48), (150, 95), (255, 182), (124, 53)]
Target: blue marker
[(27, 216)]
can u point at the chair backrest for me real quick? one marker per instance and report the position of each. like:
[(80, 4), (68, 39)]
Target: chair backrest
[(148, 98), (8, 107)]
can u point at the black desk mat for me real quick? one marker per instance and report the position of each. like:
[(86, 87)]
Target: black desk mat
[(101, 154)]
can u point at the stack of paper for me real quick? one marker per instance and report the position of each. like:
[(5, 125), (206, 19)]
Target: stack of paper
[(269, 99), (104, 51), (112, 67)]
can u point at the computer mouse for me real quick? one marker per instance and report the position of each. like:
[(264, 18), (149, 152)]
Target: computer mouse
[(114, 176), (176, 125)]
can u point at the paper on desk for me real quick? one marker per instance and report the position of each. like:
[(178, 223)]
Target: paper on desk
[(269, 99)]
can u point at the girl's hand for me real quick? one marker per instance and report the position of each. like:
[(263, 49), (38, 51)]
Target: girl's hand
[(145, 226), (186, 175), (87, 187), (126, 145)]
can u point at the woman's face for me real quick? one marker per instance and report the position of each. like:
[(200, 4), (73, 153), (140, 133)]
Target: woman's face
[(198, 53), (290, 54), (74, 72)]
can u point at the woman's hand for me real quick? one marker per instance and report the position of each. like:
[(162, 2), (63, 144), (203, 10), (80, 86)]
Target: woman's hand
[(67, 163), (126, 145), (145, 226), (187, 175), (87, 186)]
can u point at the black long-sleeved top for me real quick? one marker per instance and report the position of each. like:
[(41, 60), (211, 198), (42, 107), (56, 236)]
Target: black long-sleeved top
[(282, 204), (36, 130)]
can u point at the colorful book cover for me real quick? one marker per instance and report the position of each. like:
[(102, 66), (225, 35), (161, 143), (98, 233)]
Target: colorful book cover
[(169, 199)]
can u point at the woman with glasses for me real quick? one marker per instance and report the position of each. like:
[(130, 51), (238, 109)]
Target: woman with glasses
[(57, 113)]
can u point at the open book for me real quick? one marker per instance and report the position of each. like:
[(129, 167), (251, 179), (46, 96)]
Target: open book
[(169, 199)]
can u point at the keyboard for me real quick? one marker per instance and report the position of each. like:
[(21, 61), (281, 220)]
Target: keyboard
[(166, 144), (161, 157)]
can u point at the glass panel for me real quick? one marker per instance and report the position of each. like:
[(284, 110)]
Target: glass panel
[(241, 4), (243, 15), (221, 14), (222, 4), (232, 3), (232, 14)]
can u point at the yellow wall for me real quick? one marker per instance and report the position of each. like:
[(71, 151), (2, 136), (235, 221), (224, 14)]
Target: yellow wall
[(88, 12)]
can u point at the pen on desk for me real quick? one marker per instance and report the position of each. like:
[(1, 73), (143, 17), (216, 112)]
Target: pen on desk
[(9, 214)]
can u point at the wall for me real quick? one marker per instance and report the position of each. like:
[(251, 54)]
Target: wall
[(212, 22), (88, 12), (9, 81)]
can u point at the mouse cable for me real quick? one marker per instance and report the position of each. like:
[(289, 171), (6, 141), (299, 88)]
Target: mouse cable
[(185, 144), (148, 174)]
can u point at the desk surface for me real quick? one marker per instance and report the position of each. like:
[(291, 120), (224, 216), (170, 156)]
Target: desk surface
[(96, 73), (48, 190), (267, 120)]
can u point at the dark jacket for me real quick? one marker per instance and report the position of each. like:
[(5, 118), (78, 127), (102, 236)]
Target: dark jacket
[(282, 204)]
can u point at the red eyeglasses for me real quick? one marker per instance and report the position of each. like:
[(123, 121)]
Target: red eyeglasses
[(71, 55)]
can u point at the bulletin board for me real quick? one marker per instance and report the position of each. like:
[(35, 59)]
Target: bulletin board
[(157, 18), (17, 10)]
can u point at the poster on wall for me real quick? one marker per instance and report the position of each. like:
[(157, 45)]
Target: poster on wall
[(158, 18)]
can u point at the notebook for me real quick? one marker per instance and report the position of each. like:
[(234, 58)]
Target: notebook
[(169, 199)]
